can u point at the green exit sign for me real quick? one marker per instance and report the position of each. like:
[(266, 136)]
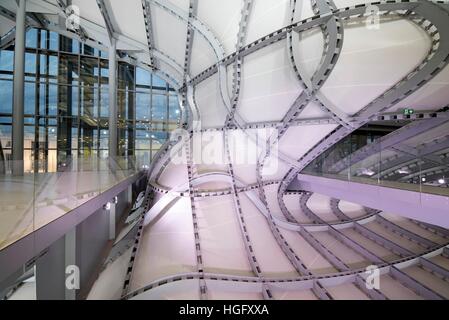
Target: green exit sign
[(408, 111)]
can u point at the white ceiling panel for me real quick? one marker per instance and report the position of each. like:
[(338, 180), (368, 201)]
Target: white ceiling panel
[(300, 139), (274, 168), (128, 17), (308, 50), (303, 10), (224, 250), (174, 175), (181, 4), (208, 99), (267, 92), (372, 61), (167, 245), (203, 55), (170, 34), (312, 111), (89, 10), (267, 16), (272, 261), (211, 13)]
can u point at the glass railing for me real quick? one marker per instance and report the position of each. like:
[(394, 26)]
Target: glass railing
[(32, 200), (409, 165)]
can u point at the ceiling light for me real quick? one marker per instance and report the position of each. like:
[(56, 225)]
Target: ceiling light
[(107, 206), (367, 172), (403, 171)]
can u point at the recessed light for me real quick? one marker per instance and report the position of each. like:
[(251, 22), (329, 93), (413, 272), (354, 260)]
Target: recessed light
[(367, 172)]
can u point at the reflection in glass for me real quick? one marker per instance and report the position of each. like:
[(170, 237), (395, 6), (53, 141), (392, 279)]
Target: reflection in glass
[(67, 105)]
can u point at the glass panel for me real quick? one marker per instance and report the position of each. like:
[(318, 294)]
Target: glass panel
[(30, 63), (44, 38), (87, 50), (104, 101), (54, 43), (104, 72), (89, 71), (68, 45), (173, 108), (6, 60), (30, 98), (31, 38), (68, 69), (5, 136), (125, 76), (143, 140), (6, 87), (143, 77), (104, 138), (89, 102), (143, 103), (159, 107), (364, 160), (158, 82)]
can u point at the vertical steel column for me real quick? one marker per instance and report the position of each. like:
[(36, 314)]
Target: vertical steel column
[(19, 77), (112, 100)]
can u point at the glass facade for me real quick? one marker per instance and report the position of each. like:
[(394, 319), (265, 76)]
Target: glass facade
[(67, 108)]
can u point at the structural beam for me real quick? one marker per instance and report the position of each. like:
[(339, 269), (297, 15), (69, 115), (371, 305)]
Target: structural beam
[(354, 246), (414, 284), (388, 196), (8, 14), (384, 242), (337, 211), (405, 233), (106, 17), (325, 252), (320, 291), (148, 28), (372, 293), (434, 268)]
